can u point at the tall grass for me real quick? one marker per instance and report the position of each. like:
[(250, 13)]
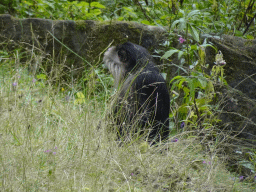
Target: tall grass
[(50, 142)]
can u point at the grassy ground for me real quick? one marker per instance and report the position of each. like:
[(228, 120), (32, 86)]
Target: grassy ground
[(49, 141)]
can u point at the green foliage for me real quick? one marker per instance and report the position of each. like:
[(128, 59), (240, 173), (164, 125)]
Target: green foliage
[(80, 98), (42, 8), (187, 21), (82, 10), (128, 14), (3, 55), (247, 160), (56, 9), (196, 89), (193, 107), (231, 16)]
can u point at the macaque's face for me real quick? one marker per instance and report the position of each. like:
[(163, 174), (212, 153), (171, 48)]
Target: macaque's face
[(114, 62)]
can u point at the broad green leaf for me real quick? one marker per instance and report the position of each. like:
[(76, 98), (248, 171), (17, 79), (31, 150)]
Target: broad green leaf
[(182, 11), (170, 53), (193, 47), (193, 13), (183, 24), (98, 5), (209, 87), (176, 22), (249, 37), (82, 4), (146, 22), (41, 76), (194, 33), (181, 82), (129, 9), (80, 95), (180, 54), (95, 12), (248, 165), (186, 91), (177, 77), (192, 88), (203, 82)]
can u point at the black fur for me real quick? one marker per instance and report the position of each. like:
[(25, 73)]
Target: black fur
[(142, 91)]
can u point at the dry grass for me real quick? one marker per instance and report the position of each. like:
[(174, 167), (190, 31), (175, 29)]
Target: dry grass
[(49, 143)]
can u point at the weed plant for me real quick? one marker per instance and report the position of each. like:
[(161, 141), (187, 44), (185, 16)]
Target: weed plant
[(50, 141)]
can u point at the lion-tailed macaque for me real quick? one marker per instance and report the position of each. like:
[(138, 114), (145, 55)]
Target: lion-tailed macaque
[(142, 92)]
